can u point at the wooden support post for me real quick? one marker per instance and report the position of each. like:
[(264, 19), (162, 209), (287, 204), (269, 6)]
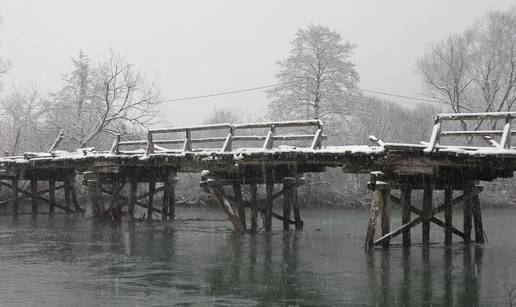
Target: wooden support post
[(376, 205), (51, 195), (172, 198), (385, 216), (34, 194), (295, 206), (67, 195), (14, 183), (448, 215), (405, 214), (150, 201), (288, 185), (467, 222), (94, 196), (133, 191), (477, 218), (426, 214), (73, 194), (218, 194), (269, 191), (164, 204), (254, 204), (115, 203), (237, 190)]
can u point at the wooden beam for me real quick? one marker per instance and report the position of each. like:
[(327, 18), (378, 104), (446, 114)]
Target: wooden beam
[(269, 191), (218, 194), (288, 184), (150, 201), (164, 203), (467, 213), (51, 195), (376, 204), (133, 190), (398, 231), (385, 215)]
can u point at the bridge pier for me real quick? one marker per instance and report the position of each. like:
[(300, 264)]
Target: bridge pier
[(426, 215)]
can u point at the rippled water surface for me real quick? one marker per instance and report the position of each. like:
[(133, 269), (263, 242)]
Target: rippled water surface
[(71, 261)]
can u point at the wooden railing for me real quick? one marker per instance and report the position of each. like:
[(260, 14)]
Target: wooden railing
[(153, 144), (504, 134)]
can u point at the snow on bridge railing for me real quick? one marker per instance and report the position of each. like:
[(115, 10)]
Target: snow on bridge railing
[(504, 134), (152, 144)]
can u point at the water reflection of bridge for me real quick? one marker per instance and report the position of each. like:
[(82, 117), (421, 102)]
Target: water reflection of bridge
[(230, 159)]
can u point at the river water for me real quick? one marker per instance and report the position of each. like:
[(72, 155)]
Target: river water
[(72, 261)]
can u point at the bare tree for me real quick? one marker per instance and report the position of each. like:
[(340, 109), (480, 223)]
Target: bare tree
[(317, 80), (4, 64), (475, 70), (102, 98)]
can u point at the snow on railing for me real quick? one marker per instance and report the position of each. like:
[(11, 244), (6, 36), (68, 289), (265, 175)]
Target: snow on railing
[(152, 144), (503, 134)]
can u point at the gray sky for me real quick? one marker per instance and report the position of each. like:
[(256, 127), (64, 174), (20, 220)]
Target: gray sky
[(201, 47)]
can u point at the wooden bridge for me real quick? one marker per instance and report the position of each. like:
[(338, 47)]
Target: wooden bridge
[(274, 155)]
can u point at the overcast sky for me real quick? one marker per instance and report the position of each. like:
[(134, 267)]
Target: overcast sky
[(201, 47)]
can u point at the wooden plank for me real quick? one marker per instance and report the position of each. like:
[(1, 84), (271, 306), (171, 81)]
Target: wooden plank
[(434, 138), (405, 214), (505, 140), (218, 194), (448, 215), (398, 231)]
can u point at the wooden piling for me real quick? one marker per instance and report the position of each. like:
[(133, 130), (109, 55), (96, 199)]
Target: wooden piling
[(237, 190), (73, 194), (467, 213), (14, 182), (115, 203), (172, 198), (51, 195), (477, 218), (295, 205), (254, 206), (405, 214), (34, 195), (133, 190), (164, 203), (93, 190), (269, 191), (67, 195), (150, 201), (371, 223), (288, 184), (448, 215), (385, 214), (426, 214)]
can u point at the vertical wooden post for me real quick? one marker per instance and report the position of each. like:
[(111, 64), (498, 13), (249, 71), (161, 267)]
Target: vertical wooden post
[(172, 198), (405, 213), (269, 190), (166, 195), (237, 190), (15, 201), (94, 196), (477, 218), (115, 203), (385, 213), (427, 214), (467, 213), (150, 203), (34, 195), (51, 195), (67, 195), (295, 205), (448, 215), (73, 194), (133, 190), (254, 204), (376, 203), (288, 184)]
